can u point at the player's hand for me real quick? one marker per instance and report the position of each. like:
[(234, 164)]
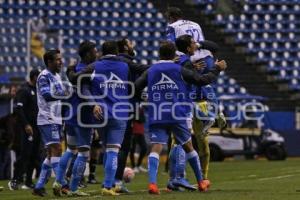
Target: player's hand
[(221, 120), (71, 67), (176, 59), (199, 64), (29, 130), (221, 65), (97, 111), (88, 69), (96, 135)]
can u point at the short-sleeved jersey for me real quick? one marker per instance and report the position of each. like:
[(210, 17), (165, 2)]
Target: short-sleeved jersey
[(49, 111), (167, 93), (85, 112), (110, 80), (183, 27), (186, 27)]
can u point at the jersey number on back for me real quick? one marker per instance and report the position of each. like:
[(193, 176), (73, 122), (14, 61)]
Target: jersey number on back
[(194, 33)]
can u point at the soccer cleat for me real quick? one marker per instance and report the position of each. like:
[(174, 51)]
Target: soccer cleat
[(171, 186), (120, 188), (65, 190), (82, 184), (78, 193), (30, 185), (153, 189), (39, 192), (136, 170), (92, 179), (203, 185), (109, 192), (56, 187), (142, 169), (13, 185), (25, 187), (182, 182)]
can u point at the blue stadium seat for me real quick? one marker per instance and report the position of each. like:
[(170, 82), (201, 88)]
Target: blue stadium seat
[(269, 29)]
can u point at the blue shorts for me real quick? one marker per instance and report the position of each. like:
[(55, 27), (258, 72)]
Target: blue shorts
[(78, 136), (51, 133), (113, 132), (159, 133)]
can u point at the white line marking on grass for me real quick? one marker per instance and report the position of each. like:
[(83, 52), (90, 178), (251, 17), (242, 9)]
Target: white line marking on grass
[(276, 177)]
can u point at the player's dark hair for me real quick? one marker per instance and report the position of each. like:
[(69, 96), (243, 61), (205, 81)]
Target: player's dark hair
[(174, 12), (50, 55), (121, 45), (34, 73), (167, 50), (110, 47), (85, 47), (183, 42)]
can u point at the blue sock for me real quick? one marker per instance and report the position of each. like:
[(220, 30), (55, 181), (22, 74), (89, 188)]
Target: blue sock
[(194, 161), (55, 164), (46, 167), (172, 161), (48, 175), (110, 168), (63, 163), (180, 161), (78, 170), (153, 162)]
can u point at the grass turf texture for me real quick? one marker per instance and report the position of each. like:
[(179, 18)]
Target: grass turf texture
[(259, 180)]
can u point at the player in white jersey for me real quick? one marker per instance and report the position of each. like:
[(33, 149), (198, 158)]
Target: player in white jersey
[(178, 26), (50, 91)]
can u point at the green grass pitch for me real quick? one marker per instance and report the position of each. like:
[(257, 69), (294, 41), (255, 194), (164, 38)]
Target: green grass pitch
[(231, 180)]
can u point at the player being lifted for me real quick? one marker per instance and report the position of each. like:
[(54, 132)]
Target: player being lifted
[(166, 82), (50, 91)]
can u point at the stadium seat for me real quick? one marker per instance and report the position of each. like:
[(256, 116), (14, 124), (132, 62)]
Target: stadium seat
[(273, 33)]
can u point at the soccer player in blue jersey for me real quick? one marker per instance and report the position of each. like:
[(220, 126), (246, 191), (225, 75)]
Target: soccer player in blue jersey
[(110, 81), (78, 137), (50, 92), (186, 47), (168, 107), (176, 28), (202, 94)]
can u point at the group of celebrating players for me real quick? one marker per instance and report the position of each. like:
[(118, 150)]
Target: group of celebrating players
[(103, 93)]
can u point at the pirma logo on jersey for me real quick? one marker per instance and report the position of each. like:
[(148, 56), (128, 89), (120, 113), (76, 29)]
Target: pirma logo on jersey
[(113, 82), (165, 83)]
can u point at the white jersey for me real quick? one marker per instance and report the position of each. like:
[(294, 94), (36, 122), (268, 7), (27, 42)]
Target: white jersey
[(183, 27), (186, 27), (49, 85)]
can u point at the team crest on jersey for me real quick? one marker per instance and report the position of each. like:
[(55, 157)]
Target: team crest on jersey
[(113, 82), (165, 83)]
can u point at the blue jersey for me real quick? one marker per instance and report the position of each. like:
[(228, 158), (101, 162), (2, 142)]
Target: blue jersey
[(207, 92), (85, 112), (110, 84), (167, 92), (184, 60)]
